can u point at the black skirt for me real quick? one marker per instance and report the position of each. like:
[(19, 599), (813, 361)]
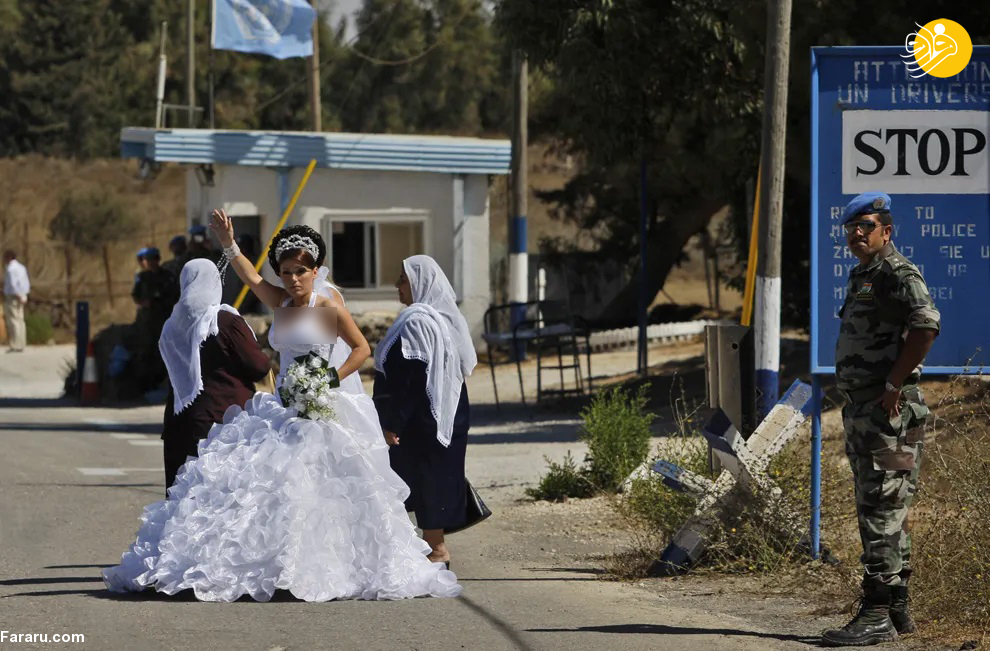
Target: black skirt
[(433, 472)]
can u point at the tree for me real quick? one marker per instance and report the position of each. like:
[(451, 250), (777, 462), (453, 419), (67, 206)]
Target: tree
[(91, 220), (72, 74), (672, 84), (423, 66)]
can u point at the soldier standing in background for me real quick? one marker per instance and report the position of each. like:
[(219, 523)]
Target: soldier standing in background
[(180, 256), (199, 245), (888, 325), (155, 293)]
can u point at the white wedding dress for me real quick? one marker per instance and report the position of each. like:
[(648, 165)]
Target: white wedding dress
[(278, 502)]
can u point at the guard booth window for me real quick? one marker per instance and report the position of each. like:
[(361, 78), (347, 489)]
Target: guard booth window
[(367, 252)]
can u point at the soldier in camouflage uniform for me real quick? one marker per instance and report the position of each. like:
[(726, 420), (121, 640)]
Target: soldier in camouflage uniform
[(155, 292), (888, 325)]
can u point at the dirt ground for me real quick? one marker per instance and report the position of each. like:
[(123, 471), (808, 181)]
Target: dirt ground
[(585, 536)]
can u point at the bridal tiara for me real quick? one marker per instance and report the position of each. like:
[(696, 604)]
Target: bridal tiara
[(298, 242)]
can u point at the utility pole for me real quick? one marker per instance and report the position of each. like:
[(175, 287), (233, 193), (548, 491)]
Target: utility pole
[(160, 92), (191, 61), (314, 76), (518, 260), (642, 361), (767, 331)]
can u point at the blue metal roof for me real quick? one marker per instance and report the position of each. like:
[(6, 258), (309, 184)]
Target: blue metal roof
[(347, 151)]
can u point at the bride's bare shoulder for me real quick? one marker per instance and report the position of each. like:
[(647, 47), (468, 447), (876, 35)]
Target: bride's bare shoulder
[(331, 301)]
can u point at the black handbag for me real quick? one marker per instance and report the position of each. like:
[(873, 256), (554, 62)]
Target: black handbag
[(475, 509)]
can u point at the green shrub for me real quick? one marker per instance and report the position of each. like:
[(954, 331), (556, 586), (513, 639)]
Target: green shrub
[(617, 431), (562, 481), (39, 328)]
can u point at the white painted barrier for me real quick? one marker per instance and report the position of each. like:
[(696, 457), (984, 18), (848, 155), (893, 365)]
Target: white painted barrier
[(665, 333)]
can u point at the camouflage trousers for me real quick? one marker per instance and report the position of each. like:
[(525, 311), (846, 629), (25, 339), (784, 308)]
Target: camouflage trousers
[(885, 455)]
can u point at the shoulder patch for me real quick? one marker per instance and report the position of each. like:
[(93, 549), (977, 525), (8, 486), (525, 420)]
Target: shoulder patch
[(897, 261)]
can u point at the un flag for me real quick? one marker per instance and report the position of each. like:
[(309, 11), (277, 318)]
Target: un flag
[(278, 28)]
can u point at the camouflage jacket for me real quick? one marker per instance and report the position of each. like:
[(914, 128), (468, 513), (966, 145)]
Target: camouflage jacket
[(884, 300), (159, 289)]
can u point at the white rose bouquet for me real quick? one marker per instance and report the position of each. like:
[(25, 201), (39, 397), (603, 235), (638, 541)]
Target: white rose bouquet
[(307, 387)]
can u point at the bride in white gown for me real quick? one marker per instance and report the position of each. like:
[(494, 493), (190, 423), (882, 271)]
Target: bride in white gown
[(279, 502)]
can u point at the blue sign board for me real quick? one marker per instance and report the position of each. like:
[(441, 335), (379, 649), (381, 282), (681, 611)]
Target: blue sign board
[(926, 142)]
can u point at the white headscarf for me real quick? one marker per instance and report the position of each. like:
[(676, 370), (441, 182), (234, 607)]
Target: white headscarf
[(430, 286), (434, 331), (193, 319)]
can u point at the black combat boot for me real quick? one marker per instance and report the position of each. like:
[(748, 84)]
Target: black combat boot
[(899, 613), (871, 625)]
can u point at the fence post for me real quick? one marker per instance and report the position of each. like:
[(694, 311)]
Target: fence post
[(82, 341), (729, 369), (816, 465)]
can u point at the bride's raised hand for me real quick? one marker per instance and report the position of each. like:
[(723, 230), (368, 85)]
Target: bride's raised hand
[(223, 226)]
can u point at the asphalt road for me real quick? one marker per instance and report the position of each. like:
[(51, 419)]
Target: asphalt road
[(73, 482)]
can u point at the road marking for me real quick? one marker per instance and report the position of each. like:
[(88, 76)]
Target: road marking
[(100, 423), (113, 472), (109, 472), (151, 443), (118, 435)]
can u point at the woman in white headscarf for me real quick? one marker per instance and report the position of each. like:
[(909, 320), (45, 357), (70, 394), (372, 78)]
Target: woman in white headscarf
[(213, 361), (422, 399)]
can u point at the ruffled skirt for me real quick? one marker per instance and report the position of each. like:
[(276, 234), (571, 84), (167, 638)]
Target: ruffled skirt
[(277, 502)]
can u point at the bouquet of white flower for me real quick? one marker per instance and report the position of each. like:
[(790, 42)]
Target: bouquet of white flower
[(307, 387)]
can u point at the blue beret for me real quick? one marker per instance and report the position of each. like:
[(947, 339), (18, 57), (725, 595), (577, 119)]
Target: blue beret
[(198, 229), (178, 239), (152, 252), (867, 203), (143, 252)]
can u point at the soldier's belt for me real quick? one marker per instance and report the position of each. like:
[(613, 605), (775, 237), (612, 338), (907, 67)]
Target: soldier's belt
[(863, 395), (870, 394)]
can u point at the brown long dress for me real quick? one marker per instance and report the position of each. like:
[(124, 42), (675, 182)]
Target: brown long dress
[(231, 362)]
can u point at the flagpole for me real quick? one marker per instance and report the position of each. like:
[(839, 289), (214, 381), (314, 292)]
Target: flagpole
[(213, 14), (191, 62), (314, 76)]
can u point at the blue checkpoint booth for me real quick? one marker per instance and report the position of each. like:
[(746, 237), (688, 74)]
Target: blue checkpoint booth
[(926, 142), (375, 198)]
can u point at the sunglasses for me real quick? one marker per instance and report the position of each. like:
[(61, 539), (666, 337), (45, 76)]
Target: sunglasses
[(865, 225)]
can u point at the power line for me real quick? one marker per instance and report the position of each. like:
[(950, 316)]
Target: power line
[(408, 60), (366, 58), (329, 62), (290, 88)]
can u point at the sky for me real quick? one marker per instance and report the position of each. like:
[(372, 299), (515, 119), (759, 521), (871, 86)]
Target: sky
[(344, 8)]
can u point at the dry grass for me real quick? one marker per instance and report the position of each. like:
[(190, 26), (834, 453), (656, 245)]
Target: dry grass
[(951, 559), (951, 555), (33, 187)]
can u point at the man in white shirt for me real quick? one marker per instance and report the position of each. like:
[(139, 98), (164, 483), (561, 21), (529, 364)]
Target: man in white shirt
[(16, 288)]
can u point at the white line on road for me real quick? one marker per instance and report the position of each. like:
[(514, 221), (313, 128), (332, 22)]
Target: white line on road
[(114, 472), (152, 442), (118, 435)]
